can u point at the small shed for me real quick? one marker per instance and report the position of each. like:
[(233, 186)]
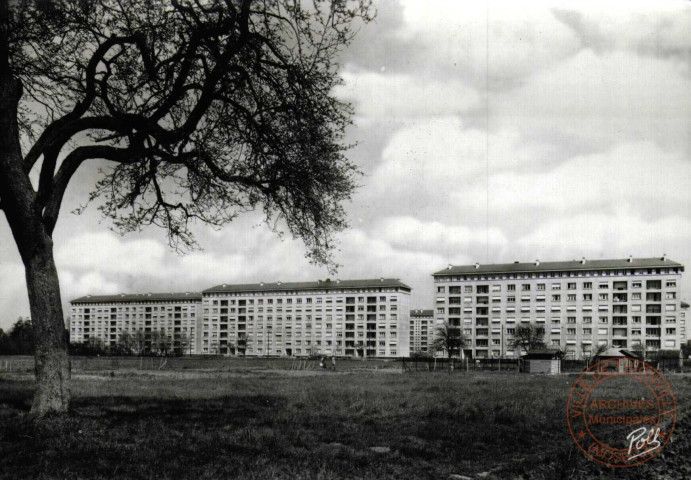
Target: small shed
[(617, 360), (546, 361), (670, 359)]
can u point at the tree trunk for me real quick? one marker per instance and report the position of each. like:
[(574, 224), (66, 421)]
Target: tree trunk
[(24, 216), (50, 347)]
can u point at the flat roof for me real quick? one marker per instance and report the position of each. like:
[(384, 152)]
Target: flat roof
[(139, 297), (518, 267), (318, 285)]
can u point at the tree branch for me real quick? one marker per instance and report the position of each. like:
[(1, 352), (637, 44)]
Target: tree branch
[(49, 134), (70, 165)]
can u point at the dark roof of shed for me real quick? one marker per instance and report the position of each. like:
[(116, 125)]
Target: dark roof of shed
[(518, 267), (542, 353), (614, 352), (318, 285)]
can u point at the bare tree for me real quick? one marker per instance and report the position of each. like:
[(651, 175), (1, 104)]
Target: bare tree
[(242, 344), (139, 342), (639, 349), (125, 343), (528, 337), (589, 353), (448, 339), (198, 110), (181, 342)]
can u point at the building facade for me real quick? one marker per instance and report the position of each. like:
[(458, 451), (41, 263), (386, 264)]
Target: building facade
[(421, 330), (630, 303), (357, 318), (150, 320)]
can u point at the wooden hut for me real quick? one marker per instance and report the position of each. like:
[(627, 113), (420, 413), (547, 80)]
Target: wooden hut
[(617, 360), (546, 361)]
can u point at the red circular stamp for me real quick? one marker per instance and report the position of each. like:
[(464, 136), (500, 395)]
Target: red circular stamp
[(621, 412)]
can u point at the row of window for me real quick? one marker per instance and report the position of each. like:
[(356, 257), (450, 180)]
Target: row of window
[(482, 311), (650, 285), (299, 300), (571, 274)]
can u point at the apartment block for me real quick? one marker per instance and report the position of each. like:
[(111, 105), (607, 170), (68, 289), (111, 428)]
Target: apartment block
[(632, 303), (421, 330), (358, 318), (175, 316)]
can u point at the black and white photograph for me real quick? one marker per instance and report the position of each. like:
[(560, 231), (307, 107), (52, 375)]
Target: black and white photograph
[(345, 239)]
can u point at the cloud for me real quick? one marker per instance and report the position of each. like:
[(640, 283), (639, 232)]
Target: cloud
[(636, 176), (110, 253), (387, 97), (598, 235), (451, 240), (591, 102), (659, 30), (13, 297), (89, 282)]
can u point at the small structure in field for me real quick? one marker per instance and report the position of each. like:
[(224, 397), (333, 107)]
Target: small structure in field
[(546, 361), (669, 359), (618, 360)]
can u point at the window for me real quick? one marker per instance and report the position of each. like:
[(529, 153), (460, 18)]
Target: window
[(468, 289), (636, 284), (587, 296), (556, 298), (604, 320), (511, 288), (525, 287), (671, 283), (511, 299), (587, 319), (496, 288), (571, 297), (603, 285), (571, 286), (440, 289), (587, 285), (556, 286), (540, 286)]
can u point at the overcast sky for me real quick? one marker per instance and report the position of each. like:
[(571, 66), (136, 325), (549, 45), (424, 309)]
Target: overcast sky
[(487, 133)]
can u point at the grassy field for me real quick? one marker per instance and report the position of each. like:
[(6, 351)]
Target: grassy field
[(265, 420)]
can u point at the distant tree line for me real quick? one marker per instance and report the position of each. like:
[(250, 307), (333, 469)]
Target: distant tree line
[(19, 340)]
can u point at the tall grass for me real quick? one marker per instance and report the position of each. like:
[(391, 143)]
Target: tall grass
[(322, 426)]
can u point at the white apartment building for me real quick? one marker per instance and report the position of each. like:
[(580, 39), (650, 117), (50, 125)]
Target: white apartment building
[(622, 303), (177, 316), (358, 318), (421, 330)]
